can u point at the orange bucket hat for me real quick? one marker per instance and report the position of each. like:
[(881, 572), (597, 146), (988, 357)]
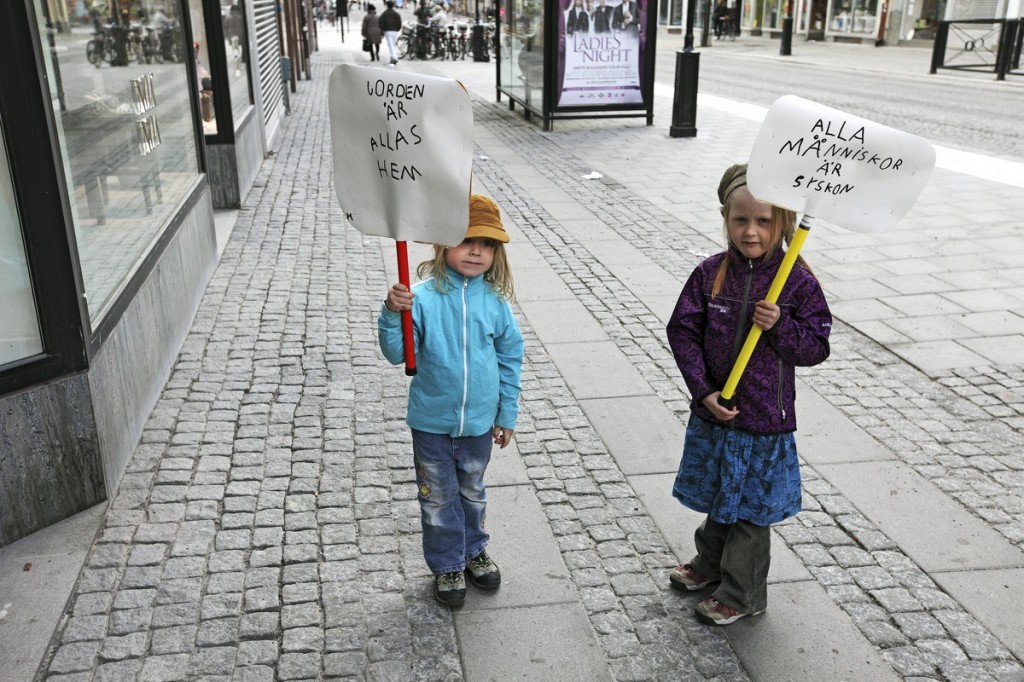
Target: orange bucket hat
[(485, 219)]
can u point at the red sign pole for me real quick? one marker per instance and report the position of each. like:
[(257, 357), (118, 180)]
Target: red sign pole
[(407, 337)]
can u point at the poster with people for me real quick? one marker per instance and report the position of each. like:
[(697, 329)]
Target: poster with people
[(601, 52)]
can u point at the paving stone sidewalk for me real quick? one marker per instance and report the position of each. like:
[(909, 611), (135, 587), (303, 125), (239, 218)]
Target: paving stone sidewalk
[(267, 526), (921, 630)]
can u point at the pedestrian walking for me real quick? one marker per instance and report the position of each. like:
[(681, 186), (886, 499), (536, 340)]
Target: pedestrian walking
[(464, 396), (739, 464), (390, 23), (371, 32), (721, 18)]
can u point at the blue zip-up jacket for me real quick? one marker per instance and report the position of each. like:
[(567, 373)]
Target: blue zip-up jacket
[(469, 357)]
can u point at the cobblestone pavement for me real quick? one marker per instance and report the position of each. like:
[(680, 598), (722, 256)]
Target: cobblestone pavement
[(267, 526), (922, 631)]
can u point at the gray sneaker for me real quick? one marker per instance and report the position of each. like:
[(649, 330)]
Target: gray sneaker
[(716, 613), (483, 572), (450, 588), (686, 578)]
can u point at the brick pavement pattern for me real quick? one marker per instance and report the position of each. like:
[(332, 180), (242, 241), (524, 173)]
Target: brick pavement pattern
[(267, 526)]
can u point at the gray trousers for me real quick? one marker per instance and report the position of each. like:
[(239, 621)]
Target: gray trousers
[(739, 555)]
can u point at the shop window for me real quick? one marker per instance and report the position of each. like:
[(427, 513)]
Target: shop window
[(774, 13), (19, 325), (751, 14), (237, 52), (853, 16), (119, 87), (204, 79), (522, 50)]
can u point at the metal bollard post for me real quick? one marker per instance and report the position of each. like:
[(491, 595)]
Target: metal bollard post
[(939, 47), (684, 103), (705, 39), (1008, 44), (286, 76), (476, 43), (786, 46)]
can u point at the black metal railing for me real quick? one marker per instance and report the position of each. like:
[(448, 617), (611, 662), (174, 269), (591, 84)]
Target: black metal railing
[(985, 45)]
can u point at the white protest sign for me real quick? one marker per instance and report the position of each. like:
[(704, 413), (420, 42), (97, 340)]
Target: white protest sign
[(834, 166), (402, 145)]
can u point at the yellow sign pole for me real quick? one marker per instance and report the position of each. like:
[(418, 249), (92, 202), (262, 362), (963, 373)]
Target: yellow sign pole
[(773, 295)]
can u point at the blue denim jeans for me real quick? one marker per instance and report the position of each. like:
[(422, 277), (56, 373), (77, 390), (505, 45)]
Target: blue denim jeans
[(453, 500)]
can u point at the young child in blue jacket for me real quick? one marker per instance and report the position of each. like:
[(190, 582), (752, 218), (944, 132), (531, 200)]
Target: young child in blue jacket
[(464, 396)]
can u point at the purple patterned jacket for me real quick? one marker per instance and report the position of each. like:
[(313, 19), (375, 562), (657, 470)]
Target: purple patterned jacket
[(706, 335)]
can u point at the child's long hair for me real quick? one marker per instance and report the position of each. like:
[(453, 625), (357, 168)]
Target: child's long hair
[(498, 277), (783, 227)]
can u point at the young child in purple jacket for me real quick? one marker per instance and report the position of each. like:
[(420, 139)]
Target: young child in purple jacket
[(739, 463)]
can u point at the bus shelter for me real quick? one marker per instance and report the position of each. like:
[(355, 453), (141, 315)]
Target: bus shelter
[(577, 58)]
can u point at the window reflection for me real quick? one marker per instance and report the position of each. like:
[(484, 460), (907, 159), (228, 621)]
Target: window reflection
[(853, 16), (118, 84), (201, 54), (19, 326), (233, 18), (523, 51)]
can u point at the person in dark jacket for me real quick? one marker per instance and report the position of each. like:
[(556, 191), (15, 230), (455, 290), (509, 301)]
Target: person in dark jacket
[(371, 32), (390, 23), (602, 19), (739, 463), (626, 17), (578, 20), (721, 17)]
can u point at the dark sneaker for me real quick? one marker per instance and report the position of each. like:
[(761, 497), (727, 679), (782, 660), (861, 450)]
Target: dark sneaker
[(716, 613), (450, 588), (685, 578), (483, 572)]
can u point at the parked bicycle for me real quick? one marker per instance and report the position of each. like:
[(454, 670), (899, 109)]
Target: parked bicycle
[(728, 32), (150, 45), (455, 42), (415, 41), (112, 45), (172, 42)]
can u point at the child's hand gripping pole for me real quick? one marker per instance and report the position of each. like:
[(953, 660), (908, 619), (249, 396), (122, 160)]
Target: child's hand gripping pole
[(725, 398), (407, 336)]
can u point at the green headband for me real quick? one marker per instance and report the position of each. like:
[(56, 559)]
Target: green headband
[(733, 178)]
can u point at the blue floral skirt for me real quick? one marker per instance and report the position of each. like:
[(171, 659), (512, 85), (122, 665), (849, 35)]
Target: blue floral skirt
[(733, 475)]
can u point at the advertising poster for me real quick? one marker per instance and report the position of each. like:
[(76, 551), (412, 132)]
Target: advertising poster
[(601, 52)]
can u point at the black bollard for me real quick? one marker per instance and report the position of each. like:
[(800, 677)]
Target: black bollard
[(786, 46), (705, 38), (477, 43), (684, 103)]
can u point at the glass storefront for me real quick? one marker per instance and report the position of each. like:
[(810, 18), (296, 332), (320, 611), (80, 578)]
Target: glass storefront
[(855, 17), (670, 12), (522, 51), (923, 20), (772, 13), (120, 92), (19, 325), (235, 47), (201, 53)]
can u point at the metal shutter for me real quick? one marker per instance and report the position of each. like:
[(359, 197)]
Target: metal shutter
[(268, 54)]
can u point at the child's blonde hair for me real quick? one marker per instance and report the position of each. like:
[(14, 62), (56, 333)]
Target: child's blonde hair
[(781, 229), (484, 223), (498, 277)]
